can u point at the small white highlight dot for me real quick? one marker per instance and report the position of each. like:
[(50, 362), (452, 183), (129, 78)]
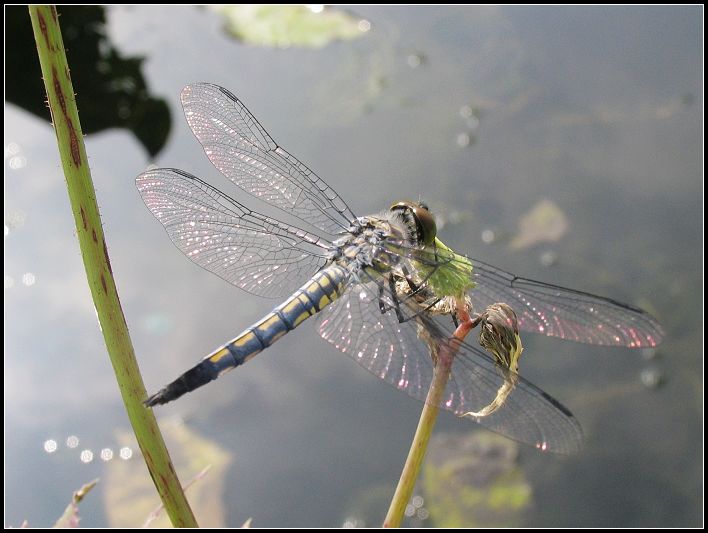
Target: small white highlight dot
[(17, 162), (414, 60), (488, 236), (125, 453), (86, 456), (106, 454), (12, 149), (463, 140)]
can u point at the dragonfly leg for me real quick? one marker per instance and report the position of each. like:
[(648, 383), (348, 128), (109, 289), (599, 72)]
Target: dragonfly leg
[(396, 304), (382, 304), (383, 307), (416, 288), (411, 284)]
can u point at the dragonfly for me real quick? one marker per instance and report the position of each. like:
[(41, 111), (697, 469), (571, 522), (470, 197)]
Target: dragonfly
[(383, 288)]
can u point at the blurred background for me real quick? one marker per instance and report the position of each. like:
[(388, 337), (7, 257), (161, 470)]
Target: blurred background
[(561, 143)]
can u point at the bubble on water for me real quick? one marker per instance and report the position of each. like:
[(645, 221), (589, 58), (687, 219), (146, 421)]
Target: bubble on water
[(651, 378), (415, 59), (548, 258), (488, 236), (463, 140)]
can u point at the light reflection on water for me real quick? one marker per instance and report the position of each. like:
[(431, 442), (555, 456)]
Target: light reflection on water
[(51, 446), (14, 156)]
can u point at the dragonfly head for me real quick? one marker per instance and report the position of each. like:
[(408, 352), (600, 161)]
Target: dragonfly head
[(417, 214)]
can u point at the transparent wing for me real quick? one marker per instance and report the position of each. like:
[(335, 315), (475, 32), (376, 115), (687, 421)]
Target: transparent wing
[(364, 324), (243, 151), (564, 313), (258, 254), (545, 308)]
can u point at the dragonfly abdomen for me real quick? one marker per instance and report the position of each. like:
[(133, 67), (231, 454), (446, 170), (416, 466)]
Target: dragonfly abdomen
[(321, 290)]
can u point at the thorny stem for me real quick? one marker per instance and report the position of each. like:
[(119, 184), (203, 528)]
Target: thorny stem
[(94, 252)]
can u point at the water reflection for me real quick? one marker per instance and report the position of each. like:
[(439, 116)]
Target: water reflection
[(475, 480), (125, 453), (111, 91), (312, 26), (86, 456), (106, 454), (14, 157), (651, 377), (416, 512)]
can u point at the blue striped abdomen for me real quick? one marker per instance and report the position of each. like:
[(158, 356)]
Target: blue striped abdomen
[(316, 294)]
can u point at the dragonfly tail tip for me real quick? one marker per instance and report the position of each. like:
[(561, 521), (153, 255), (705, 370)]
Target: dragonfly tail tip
[(156, 399)]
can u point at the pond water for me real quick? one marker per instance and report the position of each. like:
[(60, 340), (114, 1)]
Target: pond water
[(484, 112)]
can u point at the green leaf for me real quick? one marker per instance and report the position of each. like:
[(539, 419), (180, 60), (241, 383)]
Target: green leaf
[(289, 25)]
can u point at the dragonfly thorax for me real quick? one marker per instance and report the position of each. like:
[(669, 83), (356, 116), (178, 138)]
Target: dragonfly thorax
[(369, 244)]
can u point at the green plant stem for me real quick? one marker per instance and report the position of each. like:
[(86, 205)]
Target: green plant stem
[(94, 252), (428, 416)]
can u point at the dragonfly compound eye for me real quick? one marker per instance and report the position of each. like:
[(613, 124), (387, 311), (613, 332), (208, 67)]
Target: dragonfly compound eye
[(424, 220)]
